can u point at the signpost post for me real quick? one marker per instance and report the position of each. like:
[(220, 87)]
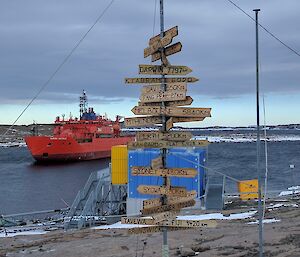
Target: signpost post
[(162, 102)]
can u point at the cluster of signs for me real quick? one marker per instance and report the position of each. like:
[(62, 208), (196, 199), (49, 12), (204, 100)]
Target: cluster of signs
[(163, 210)]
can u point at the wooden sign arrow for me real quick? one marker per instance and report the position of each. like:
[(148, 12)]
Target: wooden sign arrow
[(142, 121), (163, 96), (169, 124), (138, 221), (189, 223), (172, 49), (160, 70), (160, 80), (152, 229), (169, 207), (167, 144), (157, 135), (156, 202), (188, 101), (173, 32), (155, 46), (157, 163), (164, 215), (171, 111), (161, 190), (188, 119), (169, 87), (167, 172)]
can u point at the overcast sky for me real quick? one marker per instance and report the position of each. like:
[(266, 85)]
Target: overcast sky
[(218, 44)]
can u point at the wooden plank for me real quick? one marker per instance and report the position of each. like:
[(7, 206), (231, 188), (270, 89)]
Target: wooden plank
[(187, 119), (167, 144), (172, 49), (147, 69), (156, 202), (157, 163), (161, 190), (189, 223), (138, 221), (152, 229), (172, 111), (158, 135), (158, 217), (142, 121), (188, 101), (165, 96), (169, 87), (169, 207), (166, 172), (155, 46), (173, 32), (160, 80)]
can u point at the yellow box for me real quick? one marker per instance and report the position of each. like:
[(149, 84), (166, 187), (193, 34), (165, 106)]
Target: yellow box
[(248, 189), (119, 165)]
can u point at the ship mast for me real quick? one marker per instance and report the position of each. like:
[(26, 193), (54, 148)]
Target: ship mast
[(83, 103)]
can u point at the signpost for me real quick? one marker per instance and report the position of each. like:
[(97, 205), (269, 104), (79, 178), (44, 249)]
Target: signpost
[(160, 103)]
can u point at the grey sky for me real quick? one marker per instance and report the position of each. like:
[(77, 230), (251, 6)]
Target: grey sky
[(218, 44)]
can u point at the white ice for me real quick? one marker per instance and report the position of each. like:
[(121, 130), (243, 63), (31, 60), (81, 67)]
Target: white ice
[(265, 221)]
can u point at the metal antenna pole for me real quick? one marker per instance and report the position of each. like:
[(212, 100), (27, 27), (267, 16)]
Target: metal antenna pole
[(260, 209), (165, 247)]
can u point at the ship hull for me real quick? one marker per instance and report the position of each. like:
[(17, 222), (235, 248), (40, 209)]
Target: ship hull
[(55, 149)]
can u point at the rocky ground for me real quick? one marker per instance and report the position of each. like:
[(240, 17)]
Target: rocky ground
[(229, 238)]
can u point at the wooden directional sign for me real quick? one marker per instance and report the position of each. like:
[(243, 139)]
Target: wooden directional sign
[(189, 223), (163, 216), (142, 121), (163, 96), (173, 32), (171, 111), (169, 207), (169, 87), (155, 46), (157, 163), (172, 49), (167, 172), (188, 101), (138, 221), (156, 202), (160, 70), (157, 135), (152, 229), (160, 80), (161, 190), (167, 144), (188, 119), (169, 124)]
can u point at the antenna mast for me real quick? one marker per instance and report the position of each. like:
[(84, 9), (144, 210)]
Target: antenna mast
[(83, 103)]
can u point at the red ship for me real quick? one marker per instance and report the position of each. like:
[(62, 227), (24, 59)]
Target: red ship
[(90, 137)]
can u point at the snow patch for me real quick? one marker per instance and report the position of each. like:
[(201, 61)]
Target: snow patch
[(265, 221), (12, 233)]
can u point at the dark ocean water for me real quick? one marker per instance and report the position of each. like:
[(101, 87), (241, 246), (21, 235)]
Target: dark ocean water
[(26, 186)]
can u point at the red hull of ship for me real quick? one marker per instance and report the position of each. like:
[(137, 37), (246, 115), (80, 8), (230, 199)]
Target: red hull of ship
[(46, 148)]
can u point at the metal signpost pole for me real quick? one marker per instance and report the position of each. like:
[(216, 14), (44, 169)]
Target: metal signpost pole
[(260, 210), (165, 247)]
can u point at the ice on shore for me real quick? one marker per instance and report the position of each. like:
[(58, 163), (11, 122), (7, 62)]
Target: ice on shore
[(291, 190), (265, 221), (12, 233), (209, 216)]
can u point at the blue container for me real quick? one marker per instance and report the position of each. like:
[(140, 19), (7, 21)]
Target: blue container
[(176, 158)]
